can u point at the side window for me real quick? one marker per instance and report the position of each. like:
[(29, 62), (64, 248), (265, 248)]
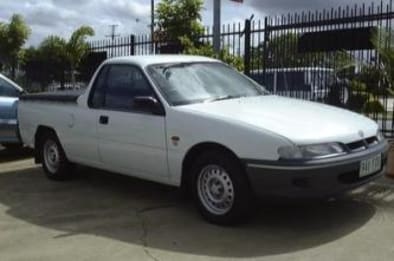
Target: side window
[(123, 84), (7, 90)]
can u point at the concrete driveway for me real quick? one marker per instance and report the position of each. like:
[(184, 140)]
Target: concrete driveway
[(102, 216)]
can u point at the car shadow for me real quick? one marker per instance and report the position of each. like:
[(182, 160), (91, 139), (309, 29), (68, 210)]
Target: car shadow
[(380, 193), (9, 155), (159, 217)]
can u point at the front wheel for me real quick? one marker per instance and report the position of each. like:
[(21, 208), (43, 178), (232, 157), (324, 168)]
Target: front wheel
[(221, 189), (54, 161)]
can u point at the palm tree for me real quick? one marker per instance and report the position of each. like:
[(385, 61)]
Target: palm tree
[(76, 48)]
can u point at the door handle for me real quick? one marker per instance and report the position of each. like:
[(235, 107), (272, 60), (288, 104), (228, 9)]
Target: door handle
[(104, 120)]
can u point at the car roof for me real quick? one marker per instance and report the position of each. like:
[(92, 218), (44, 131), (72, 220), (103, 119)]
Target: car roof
[(146, 60)]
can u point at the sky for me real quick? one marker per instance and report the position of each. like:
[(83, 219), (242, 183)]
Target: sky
[(61, 17)]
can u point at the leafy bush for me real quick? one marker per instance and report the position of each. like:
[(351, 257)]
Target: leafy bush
[(373, 107), (357, 101), (358, 86), (207, 50), (362, 98)]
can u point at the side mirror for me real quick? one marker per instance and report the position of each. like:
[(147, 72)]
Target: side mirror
[(148, 104)]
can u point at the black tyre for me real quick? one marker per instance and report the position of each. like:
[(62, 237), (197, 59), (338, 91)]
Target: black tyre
[(220, 188), (54, 161)]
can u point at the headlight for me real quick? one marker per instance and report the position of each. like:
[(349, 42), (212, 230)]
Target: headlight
[(311, 151), (289, 152)]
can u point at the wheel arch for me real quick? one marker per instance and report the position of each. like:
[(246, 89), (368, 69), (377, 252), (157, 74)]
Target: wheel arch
[(41, 130), (197, 150)]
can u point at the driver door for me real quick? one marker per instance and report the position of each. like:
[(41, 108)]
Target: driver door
[(131, 140)]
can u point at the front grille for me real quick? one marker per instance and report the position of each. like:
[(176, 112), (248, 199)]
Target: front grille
[(363, 144), (357, 146)]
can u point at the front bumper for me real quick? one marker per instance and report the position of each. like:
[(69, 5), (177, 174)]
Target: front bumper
[(313, 179)]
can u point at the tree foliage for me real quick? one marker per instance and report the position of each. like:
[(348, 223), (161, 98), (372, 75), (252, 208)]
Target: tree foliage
[(179, 22), (12, 38), (375, 78), (207, 50), (77, 48), (179, 18), (56, 56)]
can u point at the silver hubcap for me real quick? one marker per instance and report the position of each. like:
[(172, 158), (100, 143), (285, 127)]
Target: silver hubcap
[(51, 156), (215, 190)]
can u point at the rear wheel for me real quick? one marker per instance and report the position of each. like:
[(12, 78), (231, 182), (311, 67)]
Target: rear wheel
[(221, 189), (54, 161)]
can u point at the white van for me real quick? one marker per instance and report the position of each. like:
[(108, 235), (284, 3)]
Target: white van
[(311, 83)]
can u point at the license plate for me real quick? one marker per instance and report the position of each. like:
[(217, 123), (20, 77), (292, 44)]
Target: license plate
[(370, 166)]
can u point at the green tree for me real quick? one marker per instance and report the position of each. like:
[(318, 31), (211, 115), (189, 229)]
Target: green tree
[(375, 79), (46, 63), (53, 54), (179, 18), (179, 22), (56, 56), (207, 50), (12, 38), (281, 51), (33, 68), (77, 48)]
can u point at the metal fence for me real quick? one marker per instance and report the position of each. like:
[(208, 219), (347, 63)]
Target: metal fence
[(327, 56)]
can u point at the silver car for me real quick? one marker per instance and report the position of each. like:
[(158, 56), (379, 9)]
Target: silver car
[(9, 96)]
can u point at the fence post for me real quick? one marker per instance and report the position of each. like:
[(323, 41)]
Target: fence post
[(247, 33), (132, 44), (265, 47)]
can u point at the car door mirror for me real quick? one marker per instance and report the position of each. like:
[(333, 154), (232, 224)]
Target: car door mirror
[(147, 104)]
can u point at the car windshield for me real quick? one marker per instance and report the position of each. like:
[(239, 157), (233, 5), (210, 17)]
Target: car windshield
[(188, 83)]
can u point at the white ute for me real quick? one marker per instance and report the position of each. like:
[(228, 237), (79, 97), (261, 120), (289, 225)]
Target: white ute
[(195, 122)]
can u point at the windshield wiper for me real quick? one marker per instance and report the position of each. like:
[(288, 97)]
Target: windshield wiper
[(175, 65), (227, 97)]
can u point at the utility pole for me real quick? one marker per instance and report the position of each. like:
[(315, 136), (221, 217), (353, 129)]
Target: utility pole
[(216, 25), (152, 26), (113, 31), (113, 35)]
